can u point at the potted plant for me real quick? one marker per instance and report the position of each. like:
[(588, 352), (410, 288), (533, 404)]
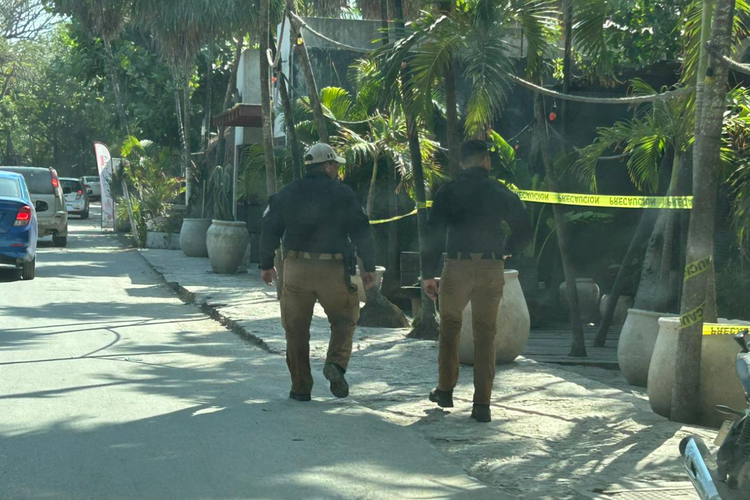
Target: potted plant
[(226, 240), (148, 169)]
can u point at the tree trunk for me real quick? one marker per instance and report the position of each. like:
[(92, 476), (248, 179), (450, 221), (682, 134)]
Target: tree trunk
[(291, 130), (181, 131), (425, 324), (265, 99), (235, 68), (300, 50), (116, 86), (453, 135), (567, 62), (578, 347), (664, 291), (186, 125), (392, 278), (699, 299), (642, 232), (379, 311), (221, 149), (207, 160)]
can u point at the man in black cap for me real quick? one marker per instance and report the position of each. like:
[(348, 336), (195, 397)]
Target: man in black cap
[(317, 216), (471, 209)]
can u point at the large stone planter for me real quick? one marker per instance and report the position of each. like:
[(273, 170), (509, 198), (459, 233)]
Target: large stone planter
[(158, 240), (661, 370), (718, 376), (624, 303), (719, 384), (226, 243), (588, 298), (193, 237), (636, 346), (513, 325), (357, 280)]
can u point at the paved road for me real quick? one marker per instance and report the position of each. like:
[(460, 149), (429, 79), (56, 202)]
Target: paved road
[(111, 388)]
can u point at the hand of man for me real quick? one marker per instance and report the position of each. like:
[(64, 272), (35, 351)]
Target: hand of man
[(430, 288), (368, 280), (268, 276), (506, 257)]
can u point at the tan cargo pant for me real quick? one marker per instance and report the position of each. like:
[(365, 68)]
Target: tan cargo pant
[(305, 282), (481, 282)]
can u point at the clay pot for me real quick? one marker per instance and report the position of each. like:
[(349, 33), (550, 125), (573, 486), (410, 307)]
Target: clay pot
[(621, 309), (357, 280), (636, 346), (226, 243), (588, 298), (661, 370), (193, 237), (513, 325)]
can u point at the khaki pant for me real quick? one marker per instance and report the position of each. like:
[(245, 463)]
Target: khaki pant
[(481, 282), (305, 282)]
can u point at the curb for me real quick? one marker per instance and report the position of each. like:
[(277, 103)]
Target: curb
[(211, 310)]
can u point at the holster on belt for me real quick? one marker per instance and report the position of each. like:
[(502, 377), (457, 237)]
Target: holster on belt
[(350, 266)]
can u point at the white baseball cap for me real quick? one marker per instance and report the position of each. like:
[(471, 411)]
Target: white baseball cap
[(321, 153)]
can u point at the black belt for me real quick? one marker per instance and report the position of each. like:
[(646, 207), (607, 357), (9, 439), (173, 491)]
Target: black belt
[(474, 256)]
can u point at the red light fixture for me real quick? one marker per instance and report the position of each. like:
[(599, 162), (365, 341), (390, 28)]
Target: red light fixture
[(24, 216), (55, 182)]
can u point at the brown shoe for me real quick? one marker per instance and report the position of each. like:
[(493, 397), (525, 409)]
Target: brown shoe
[(481, 413), (444, 399), (335, 375)]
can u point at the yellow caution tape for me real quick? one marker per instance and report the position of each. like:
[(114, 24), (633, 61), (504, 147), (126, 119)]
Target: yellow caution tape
[(393, 219), (585, 200), (693, 269), (718, 329), (605, 200), (691, 318)]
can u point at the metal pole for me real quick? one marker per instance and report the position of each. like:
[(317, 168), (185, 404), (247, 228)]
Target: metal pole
[(234, 176)]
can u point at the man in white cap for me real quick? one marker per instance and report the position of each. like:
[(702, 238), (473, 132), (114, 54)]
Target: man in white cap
[(317, 216)]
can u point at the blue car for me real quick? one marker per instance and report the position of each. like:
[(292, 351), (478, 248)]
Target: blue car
[(18, 225)]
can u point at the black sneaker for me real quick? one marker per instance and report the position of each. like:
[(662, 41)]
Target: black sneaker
[(335, 375), (444, 399), (481, 413), (299, 397)]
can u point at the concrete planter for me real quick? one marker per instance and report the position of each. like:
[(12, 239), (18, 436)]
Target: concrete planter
[(636, 346), (588, 297), (158, 240), (193, 237), (513, 325), (719, 383), (661, 370), (226, 243), (357, 280), (621, 309), (718, 376)]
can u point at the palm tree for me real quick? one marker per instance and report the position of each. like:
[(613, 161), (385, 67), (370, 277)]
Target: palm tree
[(698, 300), (105, 19), (180, 28)]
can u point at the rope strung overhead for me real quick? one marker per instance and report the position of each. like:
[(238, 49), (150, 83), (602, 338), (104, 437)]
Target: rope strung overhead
[(531, 86), (327, 39), (733, 65)]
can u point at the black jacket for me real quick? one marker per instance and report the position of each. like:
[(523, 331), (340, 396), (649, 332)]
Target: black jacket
[(471, 209), (319, 215)]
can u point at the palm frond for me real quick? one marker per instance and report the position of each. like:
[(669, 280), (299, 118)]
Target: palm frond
[(590, 17)]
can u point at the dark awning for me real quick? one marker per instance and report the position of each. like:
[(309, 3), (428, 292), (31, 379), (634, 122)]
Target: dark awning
[(240, 115)]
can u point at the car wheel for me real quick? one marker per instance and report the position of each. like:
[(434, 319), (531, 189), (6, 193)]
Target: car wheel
[(28, 270), (60, 241)]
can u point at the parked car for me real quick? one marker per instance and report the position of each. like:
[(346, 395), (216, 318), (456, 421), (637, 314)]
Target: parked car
[(18, 225), (93, 186), (76, 197), (44, 185)]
